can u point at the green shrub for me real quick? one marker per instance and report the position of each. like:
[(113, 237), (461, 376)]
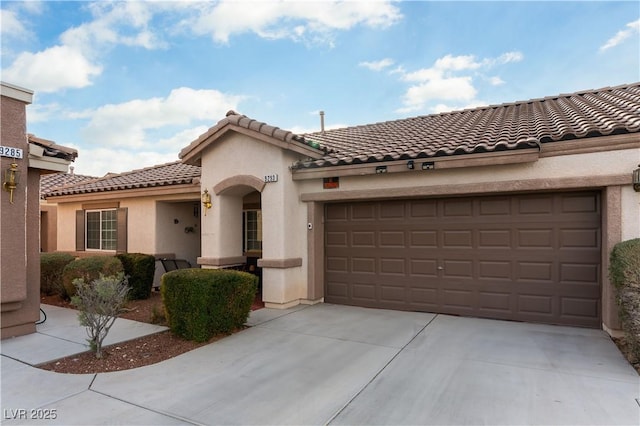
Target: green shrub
[(89, 269), (51, 268), (200, 303), (624, 271), (139, 269), (100, 302)]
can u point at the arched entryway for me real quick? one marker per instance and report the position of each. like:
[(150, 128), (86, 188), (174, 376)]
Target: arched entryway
[(235, 234)]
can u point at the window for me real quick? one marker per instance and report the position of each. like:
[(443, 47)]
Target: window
[(102, 227), (101, 230), (252, 226)]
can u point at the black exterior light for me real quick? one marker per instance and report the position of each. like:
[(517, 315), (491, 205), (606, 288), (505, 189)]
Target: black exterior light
[(636, 179)]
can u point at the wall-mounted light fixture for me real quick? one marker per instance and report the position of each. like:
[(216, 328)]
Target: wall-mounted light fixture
[(11, 180), (636, 179), (381, 169), (410, 165), (428, 165), (206, 201)]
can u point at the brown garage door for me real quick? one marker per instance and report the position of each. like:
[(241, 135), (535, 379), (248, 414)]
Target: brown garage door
[(533, 257)]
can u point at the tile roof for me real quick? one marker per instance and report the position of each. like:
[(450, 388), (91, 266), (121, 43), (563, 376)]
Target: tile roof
[(53, 181), (175, 173), (51, 149), (238, 121), (502, 127)]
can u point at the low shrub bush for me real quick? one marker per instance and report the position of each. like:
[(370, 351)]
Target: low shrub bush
[(100, 302), (624, 271), (139, 269), (200, 303), (89, 269), (51, 268)]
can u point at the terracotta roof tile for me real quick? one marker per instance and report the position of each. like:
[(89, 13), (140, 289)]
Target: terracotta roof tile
[(51, 149), (175, 173), (492, 128), (54, 181), (239, 120)]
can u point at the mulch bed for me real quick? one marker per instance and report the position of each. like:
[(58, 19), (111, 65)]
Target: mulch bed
[(134, 353)]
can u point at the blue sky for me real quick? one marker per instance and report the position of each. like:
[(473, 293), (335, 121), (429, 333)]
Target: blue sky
[(129, 84)]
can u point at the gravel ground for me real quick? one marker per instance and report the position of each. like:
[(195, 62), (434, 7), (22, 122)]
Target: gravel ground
[(134, 353)]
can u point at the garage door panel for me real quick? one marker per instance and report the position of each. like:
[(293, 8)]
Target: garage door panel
[(363, 211), (494, 238), (495, 206), (535, 304), (424, 239), (579, 238), (457, 239), (579, 307), (363, 239), (363, 265), (453, 268), (538, 238), (424, 268), (491, 270), (393, 266), (580, 273), (392, 239), (423, 209), (337, 239), (529, 257), (491, 302), (579, 203)]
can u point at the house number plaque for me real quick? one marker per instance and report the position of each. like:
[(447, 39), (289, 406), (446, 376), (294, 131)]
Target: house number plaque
[(270, 178), (9, 151)]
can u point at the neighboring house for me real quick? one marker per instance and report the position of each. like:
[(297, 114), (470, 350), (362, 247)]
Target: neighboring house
[(49, 211), (155, 210), (506, 211), (19, 228)]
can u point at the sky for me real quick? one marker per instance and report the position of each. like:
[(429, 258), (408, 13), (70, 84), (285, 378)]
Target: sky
[(129, 84)]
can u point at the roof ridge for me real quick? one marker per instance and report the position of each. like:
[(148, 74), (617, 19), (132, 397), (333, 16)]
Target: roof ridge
[(111, 175), (486, 107)]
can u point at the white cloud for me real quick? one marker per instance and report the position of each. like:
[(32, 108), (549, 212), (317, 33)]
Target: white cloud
[(455, 88), (10, 25), (622, 35), (297, 20), (103, 160), (443, 66), (127, 124), (50, 70), (126, 23), (450, 78), (437, 109), (377, 65)]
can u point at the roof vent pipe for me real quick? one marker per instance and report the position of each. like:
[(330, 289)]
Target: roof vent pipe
[(322, 122)]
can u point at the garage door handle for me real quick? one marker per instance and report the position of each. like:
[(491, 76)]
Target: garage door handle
[(440, 268)]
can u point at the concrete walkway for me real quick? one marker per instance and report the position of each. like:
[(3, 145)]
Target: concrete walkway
[(343, 365)]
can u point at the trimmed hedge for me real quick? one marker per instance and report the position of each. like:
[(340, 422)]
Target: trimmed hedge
[(624, 271), (139, 269), (51, 268), (89, 269), (200, 303)]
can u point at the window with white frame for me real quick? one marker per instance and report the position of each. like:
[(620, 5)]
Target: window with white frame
[(101, 229), (252, 224)]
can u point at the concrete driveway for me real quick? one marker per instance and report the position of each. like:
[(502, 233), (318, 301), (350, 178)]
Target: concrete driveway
[(344, 365)]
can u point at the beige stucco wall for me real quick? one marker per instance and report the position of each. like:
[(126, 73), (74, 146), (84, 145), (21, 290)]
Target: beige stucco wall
[(150, 227), (285, 211), (283, 214)]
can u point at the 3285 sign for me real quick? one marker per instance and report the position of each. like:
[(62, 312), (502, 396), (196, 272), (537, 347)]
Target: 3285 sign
[(10, 151)]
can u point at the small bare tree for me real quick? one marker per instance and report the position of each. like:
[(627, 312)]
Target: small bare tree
[(100, 302)]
